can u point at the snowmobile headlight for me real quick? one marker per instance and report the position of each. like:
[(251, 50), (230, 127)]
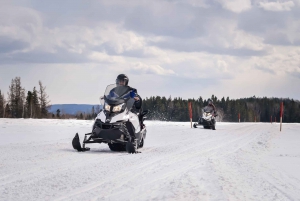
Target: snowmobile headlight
[(107, 107), (118, 108)]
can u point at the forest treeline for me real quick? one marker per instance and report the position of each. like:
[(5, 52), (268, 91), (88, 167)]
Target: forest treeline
[(251, 109), (22, 104), (35, 103)]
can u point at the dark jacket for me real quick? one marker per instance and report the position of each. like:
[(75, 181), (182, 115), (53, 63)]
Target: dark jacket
[(129, 92), (137, 104), (210, 108)]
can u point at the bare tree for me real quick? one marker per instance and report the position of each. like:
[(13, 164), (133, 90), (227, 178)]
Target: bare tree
[(43, 99)]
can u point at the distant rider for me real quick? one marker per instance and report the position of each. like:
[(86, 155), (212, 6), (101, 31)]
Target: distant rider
[(212, 109)]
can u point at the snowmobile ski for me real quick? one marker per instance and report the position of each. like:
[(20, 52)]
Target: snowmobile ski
[(76, 144)]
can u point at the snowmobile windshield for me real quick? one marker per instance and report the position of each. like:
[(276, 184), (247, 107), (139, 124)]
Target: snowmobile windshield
[(118, 94)]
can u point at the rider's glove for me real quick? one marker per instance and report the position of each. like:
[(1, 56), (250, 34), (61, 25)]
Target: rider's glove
[(132, 94)]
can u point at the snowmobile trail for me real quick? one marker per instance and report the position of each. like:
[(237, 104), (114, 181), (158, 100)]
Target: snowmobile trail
[(238, 161)]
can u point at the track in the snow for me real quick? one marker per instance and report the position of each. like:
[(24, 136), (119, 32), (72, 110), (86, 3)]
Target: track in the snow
[(177, 163)]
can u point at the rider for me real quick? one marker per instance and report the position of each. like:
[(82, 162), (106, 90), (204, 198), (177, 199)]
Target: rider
[(122, 80)]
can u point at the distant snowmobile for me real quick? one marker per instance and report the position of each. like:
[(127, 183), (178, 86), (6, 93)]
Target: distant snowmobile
[(117, 124), (207, 120)]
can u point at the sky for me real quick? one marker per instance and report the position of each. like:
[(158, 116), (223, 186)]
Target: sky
[(177, 48)]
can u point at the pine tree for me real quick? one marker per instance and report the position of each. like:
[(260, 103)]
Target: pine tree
[(57, 113), (35, 104), (29, 104), (98, 109), (16, 98), (2, 106), (93, 113), (7, 111)]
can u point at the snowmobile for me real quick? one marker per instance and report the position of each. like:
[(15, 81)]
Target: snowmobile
[(207, 120), (117, 124)]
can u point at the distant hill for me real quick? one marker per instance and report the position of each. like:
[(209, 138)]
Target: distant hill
[(72, 108)]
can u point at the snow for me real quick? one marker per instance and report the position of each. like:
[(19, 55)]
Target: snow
[(238, 161)]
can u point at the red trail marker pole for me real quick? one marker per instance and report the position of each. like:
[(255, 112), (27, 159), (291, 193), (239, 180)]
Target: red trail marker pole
[(239, 117), (281, 111), (191, 113)]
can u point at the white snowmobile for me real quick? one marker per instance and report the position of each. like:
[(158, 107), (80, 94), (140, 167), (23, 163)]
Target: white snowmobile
[(117, 124), (207, 120)]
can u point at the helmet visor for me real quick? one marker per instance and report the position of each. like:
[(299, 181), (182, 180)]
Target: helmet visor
[(121, 81)]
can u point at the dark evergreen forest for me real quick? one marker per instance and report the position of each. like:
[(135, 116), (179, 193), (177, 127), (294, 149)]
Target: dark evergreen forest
[(251, 109)]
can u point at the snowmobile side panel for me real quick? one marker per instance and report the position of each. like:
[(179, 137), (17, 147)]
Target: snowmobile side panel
[(134, 119), (101, 116)]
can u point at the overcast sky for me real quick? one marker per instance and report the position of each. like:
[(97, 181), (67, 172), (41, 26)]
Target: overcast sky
[(186, 48)]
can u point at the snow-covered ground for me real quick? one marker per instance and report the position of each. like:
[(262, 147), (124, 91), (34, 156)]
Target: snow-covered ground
[(238, 161)]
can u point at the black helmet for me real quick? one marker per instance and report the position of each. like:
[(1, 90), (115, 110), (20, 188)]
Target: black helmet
[(122, 78), (210, 102)]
